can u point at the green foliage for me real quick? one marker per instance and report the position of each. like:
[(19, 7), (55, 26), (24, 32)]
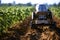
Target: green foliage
[(56, 11), (12, 14)]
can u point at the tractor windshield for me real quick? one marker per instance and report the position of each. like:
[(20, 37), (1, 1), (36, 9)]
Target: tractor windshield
[(41, 8)]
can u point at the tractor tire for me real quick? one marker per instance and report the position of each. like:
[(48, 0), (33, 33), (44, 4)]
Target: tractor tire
[(53, 25), (34, 26)]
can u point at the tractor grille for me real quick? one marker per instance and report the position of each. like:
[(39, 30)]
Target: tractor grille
[(41, 21)]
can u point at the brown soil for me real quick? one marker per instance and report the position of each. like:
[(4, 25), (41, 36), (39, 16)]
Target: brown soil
[(23, 31)]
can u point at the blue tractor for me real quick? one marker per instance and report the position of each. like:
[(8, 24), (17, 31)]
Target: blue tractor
[(41, 16)]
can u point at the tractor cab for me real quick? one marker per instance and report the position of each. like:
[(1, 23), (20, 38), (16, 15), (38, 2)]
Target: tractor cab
[(41, 8)]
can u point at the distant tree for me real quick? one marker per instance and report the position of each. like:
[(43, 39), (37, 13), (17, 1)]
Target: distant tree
[(54, 4), (29, 4), (9, 4), (4, 4), (59, 4), (19, 4)]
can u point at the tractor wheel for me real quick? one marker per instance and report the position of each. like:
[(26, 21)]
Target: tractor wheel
[(34, 26), (53, 25)]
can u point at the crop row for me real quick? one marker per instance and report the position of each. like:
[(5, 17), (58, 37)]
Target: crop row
[(11, 15)]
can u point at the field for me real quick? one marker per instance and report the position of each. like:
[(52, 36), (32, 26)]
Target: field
[(14, 21), (12, 15), (56, 15)]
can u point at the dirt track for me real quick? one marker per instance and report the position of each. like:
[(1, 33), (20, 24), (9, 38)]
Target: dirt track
[(23, 31)]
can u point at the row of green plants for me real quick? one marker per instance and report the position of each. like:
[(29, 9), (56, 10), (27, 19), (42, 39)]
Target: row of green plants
[(11, 15), (55, 11)]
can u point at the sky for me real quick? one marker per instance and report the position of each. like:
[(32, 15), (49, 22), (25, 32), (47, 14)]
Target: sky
[(32, 1)]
